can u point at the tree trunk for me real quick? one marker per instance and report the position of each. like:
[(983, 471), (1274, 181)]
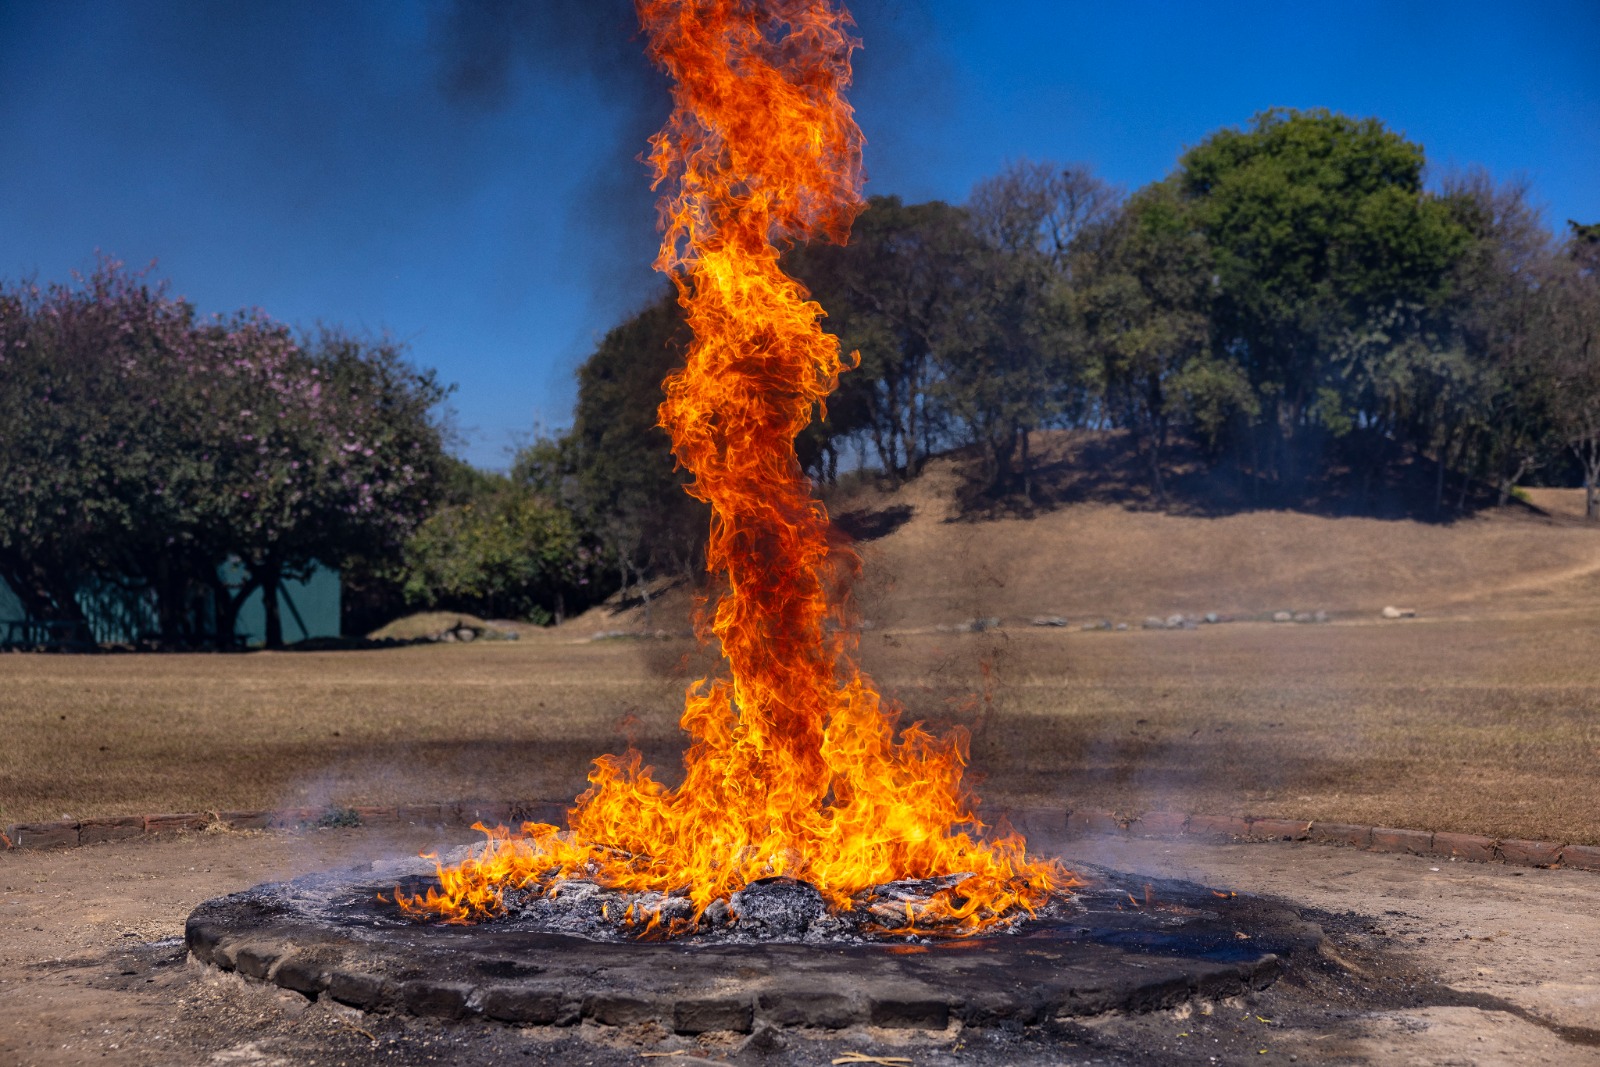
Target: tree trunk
[(1441, 464), (883, 454), (1158, 445), (227, 603), (897, 435), (1589, 456), (1002, 447), (1157, 400), (1255, 467), (1027, 471), (271, 579), (1466, 471), (926, 448), (1509, 482), (912, 429), (1288, 462)]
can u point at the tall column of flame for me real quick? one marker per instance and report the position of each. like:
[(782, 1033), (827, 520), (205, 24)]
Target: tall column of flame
[(795, 767)]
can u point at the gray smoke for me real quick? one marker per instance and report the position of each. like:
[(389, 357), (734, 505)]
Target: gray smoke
[(490, 51)]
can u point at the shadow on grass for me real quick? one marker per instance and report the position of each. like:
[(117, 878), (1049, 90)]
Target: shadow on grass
[(1357, 477)]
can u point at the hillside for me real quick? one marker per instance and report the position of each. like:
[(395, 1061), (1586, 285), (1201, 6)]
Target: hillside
[(1101, 560), (928, 564)]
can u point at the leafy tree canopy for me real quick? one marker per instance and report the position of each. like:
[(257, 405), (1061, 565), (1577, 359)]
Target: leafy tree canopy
[(144, 444)]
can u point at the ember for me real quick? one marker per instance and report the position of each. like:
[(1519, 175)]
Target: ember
[(795, 768)]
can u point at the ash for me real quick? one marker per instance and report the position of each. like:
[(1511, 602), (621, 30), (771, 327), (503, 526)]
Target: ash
[(765, 911)]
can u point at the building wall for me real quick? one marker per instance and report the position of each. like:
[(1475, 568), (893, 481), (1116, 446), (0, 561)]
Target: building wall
[(307, 609), (118, 615), (10, 606)]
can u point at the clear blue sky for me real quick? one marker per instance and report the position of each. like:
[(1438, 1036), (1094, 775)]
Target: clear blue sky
[(467, 181)]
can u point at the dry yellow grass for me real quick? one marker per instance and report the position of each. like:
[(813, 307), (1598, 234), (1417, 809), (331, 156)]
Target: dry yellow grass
[(1481, 716), (1102, 560), (1485, 726), (1095, 561)]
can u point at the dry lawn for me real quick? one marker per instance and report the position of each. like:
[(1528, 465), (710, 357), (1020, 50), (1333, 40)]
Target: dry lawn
[(1482, 715), (1486, 725), (1099, 560)]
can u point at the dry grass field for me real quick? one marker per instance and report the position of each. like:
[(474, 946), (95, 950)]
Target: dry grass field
[(1481, 715)]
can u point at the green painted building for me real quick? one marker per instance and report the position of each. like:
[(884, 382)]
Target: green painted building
[(117, 614)]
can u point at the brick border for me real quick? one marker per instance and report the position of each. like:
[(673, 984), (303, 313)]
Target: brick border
[(70, 833), (1442, 845), (1038, 822)]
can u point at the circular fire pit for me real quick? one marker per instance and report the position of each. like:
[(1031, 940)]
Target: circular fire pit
[(1118, 944)]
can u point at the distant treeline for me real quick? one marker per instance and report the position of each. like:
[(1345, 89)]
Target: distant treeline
[(1290, 304)]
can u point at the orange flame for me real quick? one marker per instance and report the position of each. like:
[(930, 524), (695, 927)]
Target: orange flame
[(795, 766)]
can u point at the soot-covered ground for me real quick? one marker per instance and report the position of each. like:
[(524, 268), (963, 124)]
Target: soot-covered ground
[(1460, 964)]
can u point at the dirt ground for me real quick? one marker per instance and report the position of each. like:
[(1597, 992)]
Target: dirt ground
[(1426, 963)]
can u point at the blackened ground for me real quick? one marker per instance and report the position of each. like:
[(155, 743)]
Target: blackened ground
[(1116, 944), (1464, 964)]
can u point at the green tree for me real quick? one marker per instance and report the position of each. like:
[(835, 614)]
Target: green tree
[(145, 446), (889, 295), (1142, 295), (1499, 310), (323, 450), (1012, 362), (1572, 292), (1317, 222), (506, 551), (95, 478), (616, 464)]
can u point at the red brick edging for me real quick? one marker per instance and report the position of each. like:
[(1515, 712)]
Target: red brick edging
[(1041, 822)]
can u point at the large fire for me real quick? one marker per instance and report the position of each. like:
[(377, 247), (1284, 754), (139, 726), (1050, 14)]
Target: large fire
[(795, 765)]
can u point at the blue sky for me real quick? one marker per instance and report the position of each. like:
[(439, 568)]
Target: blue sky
[(463, 175)]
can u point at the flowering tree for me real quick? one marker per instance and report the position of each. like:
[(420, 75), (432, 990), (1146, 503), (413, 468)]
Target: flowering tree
[(91, 475), (321, 451), (142, 444)]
